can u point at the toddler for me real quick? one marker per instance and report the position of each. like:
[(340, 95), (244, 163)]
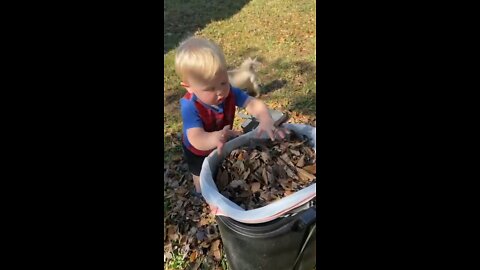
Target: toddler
[(208, 107)]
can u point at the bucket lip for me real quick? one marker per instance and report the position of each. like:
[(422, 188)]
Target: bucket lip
[(261, 230)]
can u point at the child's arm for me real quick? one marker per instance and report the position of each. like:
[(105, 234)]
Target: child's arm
[(202, 140), (197, 136), (259, 110)]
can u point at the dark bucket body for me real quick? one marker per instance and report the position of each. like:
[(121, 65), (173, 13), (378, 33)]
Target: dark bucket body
[(285, 243)]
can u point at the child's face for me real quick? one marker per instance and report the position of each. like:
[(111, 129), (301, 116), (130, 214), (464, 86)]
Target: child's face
[(211, 92)]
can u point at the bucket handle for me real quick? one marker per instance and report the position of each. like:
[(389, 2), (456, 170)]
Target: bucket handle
[(306, 219)]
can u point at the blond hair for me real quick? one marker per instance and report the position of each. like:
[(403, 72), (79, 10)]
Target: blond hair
[(199, 57)]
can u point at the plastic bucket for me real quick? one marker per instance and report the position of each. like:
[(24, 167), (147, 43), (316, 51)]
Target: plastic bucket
[(284, 243)]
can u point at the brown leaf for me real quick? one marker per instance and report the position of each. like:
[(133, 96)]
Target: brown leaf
[(239, 166), (214, 248), (298, 144), (285, 183), (287, 160), (301, 161), (304, 175), (197, 264), (264, 176), (290, 173), (281, 171), (167, 256), (237, 183), (167, 247), (246, 174), (266, 195), (311, 168), (255, 187), (294, 152), (218, 255), (309, 152), (193, 256), (270, 178), (245, 155), (245, 194), (181, 190), (222, 179), (265, 157), (254, 155), (172, 233), (204, 220)]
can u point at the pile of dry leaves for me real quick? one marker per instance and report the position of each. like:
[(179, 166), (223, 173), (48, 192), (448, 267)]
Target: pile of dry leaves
[(255, 175), (190, 231)]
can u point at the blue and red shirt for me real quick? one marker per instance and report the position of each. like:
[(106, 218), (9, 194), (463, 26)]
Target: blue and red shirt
[(198, 114)]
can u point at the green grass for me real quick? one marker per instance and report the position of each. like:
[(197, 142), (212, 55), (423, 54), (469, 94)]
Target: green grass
[(177, 262), (281, 33)]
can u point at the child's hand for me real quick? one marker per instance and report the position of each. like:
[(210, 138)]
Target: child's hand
[(266, 125), (224, 135)]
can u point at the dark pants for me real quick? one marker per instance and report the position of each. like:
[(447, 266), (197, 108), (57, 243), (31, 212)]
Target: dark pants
[(194, 162)]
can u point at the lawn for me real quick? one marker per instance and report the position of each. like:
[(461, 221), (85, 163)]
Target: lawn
[(280, 33)]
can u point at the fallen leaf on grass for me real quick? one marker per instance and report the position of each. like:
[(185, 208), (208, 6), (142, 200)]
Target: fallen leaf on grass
[(193, 256), (214, 248), (172, 233)]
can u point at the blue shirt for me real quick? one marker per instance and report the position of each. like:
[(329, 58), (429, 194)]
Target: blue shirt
[(191, 117)]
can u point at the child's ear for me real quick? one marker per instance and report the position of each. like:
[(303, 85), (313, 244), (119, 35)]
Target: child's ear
[(186, 86)]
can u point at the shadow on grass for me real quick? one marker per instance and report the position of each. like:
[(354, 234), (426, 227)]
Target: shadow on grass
[(184, 18), (304, 104), (273, 85), (303, 73)]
